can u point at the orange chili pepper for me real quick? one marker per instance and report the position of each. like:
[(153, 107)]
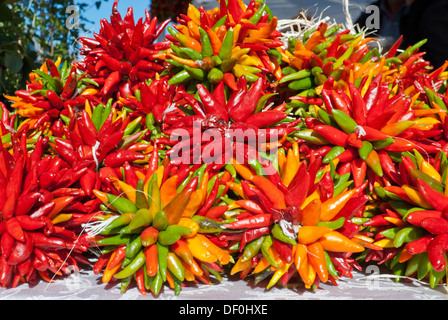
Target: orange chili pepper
[(168, 190), (337, 242), (151, 260), (331, 207), (316, 258), (310, 234), (311, 213), (274, 194)]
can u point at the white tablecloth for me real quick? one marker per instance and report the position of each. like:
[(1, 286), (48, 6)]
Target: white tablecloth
[(372, 284)]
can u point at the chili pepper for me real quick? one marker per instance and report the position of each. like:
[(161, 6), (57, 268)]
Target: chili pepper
[(252, 248), (436, 199), (119, 157), (420, 245), (316, 258), (436, 250), (416, 217), (310, 234), (258, 221), (333, 135), (276, 196), (336, 242), (283, 249), (435, 225), (407, 234)]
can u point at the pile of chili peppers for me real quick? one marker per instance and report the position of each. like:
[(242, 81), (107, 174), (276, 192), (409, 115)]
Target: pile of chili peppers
[(128, 162)]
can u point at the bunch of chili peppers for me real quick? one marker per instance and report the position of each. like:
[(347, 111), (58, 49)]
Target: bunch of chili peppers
[(224, 43), (149, 233), (353, 166)]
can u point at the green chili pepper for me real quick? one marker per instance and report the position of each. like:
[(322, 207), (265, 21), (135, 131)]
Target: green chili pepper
[(156, 282), (330, 266), (122, 205), (177, 284), (409, 51), (278, 234), (257, 15), (97, 115), (435, 277), (252, 248), (215, 75), (227, 44), (143, 218), (207, 225), (336, 224), (311, 136), (220, 22), (160, 221), (179, 78), (231, 169), (124, 284), (140, 198), (412, 266), (162, 259), (407, 234), (302, 84), (417, 174), (133, 247), (215, 273), (304, 73), (344, 121), (390, 233), (267, 243), (341, 187), (195, 73), (132, 268), (365, 150), (424, 265), (399, 270), (381, 144), (343, 57), (333, 154)]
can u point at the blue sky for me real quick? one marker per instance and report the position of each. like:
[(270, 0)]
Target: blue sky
[(95, 15), (281, 8)]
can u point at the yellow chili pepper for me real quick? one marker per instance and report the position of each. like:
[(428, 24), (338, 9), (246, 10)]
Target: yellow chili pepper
[(291, 168), (416, 197), (199, 251), (194, 203), (427, 168), (222, 255), (240, 265)]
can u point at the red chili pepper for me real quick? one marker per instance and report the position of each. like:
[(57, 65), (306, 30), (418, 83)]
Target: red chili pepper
[(211, 106), (420, 245), (253, 234), (416, 217), (283, 249), (436, 251), (332, 135), (437, 199), (21, 250), (435, 225), (119, 157), (246, 107), (266, 118), (252, 222)]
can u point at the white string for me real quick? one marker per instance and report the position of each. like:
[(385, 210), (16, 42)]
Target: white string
[(94, 150), (392, 276)]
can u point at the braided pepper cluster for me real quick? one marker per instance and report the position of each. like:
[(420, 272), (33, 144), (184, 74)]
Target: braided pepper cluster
[(224, 150)]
